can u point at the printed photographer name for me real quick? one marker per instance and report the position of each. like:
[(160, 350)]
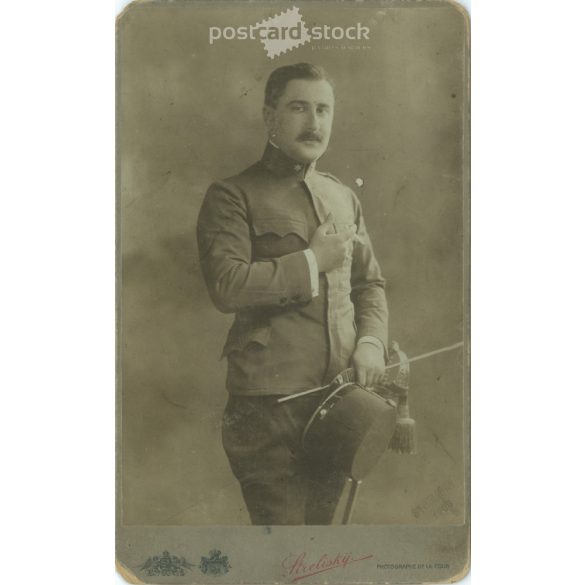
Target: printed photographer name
[(356, 32)]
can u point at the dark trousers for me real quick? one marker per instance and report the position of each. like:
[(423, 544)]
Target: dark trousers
[(280, 484)]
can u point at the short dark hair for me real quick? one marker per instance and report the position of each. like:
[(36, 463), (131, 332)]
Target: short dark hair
[(278, 79)]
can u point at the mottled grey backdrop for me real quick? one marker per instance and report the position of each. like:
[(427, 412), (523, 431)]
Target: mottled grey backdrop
[(188, 113)]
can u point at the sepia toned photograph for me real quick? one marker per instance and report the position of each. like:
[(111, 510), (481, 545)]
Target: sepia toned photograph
[(292, 292)]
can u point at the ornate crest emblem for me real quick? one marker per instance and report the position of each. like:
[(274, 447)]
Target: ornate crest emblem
[(166, 565), (215, 564)]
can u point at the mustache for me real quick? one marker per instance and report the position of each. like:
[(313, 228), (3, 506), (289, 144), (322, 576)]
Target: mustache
[(310, 136)]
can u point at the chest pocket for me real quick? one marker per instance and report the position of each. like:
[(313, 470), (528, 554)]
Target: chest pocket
[(276, 233)]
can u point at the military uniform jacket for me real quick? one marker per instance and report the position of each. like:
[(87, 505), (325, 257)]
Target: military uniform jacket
[(251, 233)]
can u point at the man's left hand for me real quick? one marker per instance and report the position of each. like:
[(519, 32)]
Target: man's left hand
[(368, 363)]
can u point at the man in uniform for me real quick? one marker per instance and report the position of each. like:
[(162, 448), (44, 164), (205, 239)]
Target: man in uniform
[(285, 248)]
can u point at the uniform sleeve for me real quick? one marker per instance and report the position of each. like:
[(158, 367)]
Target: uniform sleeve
[(235, 282), (368, 295)]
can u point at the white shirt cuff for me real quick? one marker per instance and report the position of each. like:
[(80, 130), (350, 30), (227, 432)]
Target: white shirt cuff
[(373, 340), (313, 271)]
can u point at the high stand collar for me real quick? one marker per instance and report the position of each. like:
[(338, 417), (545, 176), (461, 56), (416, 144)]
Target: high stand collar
[(280, 163)]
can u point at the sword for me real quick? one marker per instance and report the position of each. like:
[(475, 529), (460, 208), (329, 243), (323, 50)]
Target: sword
[(410, 360)]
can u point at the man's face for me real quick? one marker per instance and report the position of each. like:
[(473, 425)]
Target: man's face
[(300, 125)]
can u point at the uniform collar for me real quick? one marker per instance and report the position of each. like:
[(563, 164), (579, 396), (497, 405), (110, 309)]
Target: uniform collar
[(278, 162)]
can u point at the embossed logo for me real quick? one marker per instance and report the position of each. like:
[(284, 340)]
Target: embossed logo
[(215, 563), (166, 565)]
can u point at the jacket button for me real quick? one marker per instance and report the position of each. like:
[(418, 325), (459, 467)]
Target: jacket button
[(283, 300)]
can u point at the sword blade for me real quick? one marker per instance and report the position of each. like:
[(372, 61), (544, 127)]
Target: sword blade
[(422, 356)]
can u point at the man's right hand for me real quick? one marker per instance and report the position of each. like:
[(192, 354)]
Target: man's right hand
[(330, 248)]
